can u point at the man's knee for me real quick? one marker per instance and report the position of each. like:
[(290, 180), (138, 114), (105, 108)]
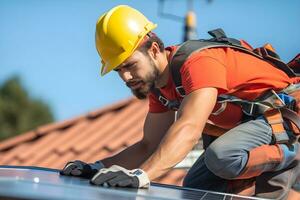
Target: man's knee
[(226, 164)]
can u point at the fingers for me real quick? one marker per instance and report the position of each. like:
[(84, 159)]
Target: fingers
[(102, 177), (123, 183), (68, 168), (121, 180), (73, 168), (76, 172), (115, 178)]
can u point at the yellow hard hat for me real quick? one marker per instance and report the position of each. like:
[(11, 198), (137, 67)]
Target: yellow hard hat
[(118, 34)]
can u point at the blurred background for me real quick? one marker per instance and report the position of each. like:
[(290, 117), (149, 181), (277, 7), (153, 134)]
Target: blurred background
[(50, 70)]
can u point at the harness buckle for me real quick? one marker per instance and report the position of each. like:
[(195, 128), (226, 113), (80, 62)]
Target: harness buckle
[(221, 109), (278, 97), (254, 108), (180, 91), (249, 110), (173, 105), (163, 100)]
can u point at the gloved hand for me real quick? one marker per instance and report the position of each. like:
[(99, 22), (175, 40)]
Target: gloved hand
[(119, 176), (81, 169)]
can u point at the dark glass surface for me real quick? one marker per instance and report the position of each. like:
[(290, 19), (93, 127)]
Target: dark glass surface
[(44, 183)]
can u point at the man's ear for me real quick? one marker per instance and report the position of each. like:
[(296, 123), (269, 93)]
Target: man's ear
[(154, 50)]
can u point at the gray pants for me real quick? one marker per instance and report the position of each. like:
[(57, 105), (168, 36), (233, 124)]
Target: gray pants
[(226, 157)]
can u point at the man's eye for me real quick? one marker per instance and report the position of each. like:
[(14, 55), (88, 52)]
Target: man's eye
[(129, 66), (132, 66)]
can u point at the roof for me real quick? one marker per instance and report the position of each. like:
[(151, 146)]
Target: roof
[(88, 137), (42, 183)]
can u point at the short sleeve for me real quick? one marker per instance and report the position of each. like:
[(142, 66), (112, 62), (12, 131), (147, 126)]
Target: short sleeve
[(203, 71)]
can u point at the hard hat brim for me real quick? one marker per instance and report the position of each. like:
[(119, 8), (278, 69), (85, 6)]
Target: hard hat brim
[(107, 67)]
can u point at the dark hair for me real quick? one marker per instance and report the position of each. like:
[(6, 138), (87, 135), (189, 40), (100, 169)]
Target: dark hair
[(151, 37)]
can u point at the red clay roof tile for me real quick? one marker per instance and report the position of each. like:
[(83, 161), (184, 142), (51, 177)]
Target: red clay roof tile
[(13, 153), (75, 133), (93, 134), (12, 142), (49, 160), (30, 153)]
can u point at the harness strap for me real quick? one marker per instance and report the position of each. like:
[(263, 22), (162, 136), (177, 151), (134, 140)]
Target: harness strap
[(217, 33), (190, 47), (250, 108), (277, 62), (293, 118), (173, 105), (274, 118)]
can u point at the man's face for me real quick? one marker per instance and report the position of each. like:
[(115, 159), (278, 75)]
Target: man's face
[(139, 72)]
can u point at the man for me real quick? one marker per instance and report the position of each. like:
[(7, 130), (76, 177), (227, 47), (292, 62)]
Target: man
[(246, 148)]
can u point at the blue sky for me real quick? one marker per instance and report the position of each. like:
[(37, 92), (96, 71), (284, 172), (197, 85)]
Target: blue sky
[(50, 43)]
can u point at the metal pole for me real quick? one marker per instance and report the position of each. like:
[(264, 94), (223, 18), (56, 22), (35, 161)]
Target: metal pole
[(190, 26)]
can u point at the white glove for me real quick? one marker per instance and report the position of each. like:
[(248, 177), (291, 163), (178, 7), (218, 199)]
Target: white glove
[(121, 177)]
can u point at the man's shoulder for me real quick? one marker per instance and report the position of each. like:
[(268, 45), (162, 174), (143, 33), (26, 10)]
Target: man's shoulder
[(218, 53)]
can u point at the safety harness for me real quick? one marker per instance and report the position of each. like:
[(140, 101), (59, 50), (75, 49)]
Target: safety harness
[(274, 106)]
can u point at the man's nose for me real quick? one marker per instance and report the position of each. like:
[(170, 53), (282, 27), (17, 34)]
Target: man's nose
[(126, 75)]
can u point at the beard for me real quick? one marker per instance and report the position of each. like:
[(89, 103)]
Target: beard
[(148, 82)]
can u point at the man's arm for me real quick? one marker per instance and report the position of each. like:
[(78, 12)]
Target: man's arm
[(184, 133), (155, 127)]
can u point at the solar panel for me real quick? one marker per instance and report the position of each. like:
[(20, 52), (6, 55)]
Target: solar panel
[(44, 183)]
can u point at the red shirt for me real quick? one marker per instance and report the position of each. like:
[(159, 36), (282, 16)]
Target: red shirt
[(231, 72)]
